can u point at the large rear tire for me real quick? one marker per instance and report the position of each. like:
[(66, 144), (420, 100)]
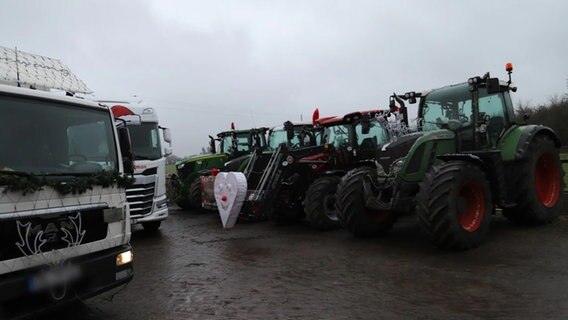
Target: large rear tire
[(319, 204), (350, 205), (538, 185), (195, 200), (454, 205)]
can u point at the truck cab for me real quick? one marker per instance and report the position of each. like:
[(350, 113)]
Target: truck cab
[(147, 196)]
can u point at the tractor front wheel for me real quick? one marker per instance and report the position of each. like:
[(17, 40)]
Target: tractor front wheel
[(454, 205), (319, 204), (195, 194), (538, 185), (351, 209)]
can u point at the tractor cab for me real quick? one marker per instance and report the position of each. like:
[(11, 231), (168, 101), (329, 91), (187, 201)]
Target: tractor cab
[(236, 143)]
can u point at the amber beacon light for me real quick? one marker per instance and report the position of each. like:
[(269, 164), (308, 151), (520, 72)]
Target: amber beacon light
[(509, 66)]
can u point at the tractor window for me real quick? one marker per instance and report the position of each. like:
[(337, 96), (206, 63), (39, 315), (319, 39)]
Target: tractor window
[(338, 136), (492, 113), (448, 108), (377, 135)]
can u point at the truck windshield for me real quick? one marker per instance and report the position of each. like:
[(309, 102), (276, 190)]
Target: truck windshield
[(145, 139), (40, 137)]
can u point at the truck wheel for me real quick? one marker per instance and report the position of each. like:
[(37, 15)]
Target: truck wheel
[(151, 226), (319, 204), (538, 186), (351, 210), (454, 205), (195, 194)]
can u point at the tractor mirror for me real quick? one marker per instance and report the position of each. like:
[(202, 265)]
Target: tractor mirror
[(289, 127), (493, 85), (365, 124), (212, 145)]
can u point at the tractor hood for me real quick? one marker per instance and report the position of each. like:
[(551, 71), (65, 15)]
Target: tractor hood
[(396, 149), (200, 158), (237, 163)]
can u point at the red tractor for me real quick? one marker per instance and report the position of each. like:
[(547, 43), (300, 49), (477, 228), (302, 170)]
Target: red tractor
[(290, 184)]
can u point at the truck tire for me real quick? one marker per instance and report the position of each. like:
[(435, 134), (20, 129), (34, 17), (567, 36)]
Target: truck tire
[(454, 205), (539, 186), (195, 195), (319, 204), (151, 226), (350, 205)]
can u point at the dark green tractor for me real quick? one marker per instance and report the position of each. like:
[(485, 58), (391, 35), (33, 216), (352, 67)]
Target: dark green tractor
[(234, 151), (469, 157)]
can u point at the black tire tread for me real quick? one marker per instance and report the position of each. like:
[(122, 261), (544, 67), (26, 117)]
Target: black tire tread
[(350, 206), (525, 211), (314, 206), (432, 205)]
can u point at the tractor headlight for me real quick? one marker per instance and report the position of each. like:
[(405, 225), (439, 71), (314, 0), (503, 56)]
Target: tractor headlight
[(180, 166), (396, 166)]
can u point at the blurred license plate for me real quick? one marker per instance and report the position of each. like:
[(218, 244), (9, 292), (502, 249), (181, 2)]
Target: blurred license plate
[(56, 276)]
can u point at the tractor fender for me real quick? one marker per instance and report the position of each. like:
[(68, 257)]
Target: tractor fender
[(516, 142), (471, 158), (339, 173)]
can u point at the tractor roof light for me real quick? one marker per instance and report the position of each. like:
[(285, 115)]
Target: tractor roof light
[(509, 67)]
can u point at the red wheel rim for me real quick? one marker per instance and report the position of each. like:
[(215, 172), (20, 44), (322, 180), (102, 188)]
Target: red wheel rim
[(471, 216), (547, 180)]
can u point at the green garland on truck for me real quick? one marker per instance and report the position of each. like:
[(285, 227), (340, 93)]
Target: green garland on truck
[(76, 185)]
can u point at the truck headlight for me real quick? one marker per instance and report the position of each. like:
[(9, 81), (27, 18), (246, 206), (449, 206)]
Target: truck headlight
[(162, 203), (124, 258), (396, 166)]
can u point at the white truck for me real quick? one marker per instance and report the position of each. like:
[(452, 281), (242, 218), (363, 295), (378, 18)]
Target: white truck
[(147, 196), (64, 217)]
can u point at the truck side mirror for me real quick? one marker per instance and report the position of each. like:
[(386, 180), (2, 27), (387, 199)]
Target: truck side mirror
[(167, 135), (493, 85), (126, 149)]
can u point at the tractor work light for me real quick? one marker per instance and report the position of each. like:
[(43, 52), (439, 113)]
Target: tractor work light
[(124, 258)]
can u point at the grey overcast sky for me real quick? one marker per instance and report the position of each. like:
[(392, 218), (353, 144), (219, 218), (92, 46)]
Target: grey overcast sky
[(204, 64)]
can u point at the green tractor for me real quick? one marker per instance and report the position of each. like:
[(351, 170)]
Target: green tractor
[(234, 151), (468, 158)]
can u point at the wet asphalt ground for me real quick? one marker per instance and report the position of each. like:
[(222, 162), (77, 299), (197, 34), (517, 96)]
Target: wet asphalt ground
[(193, 269)]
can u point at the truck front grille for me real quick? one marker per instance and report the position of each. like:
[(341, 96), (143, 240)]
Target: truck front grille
[(43, 233), (140, 197)]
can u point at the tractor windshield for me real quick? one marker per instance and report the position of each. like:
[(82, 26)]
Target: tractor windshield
[(338, 135), (377, 135), (241, 143), (308, 137), (446, 108)]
